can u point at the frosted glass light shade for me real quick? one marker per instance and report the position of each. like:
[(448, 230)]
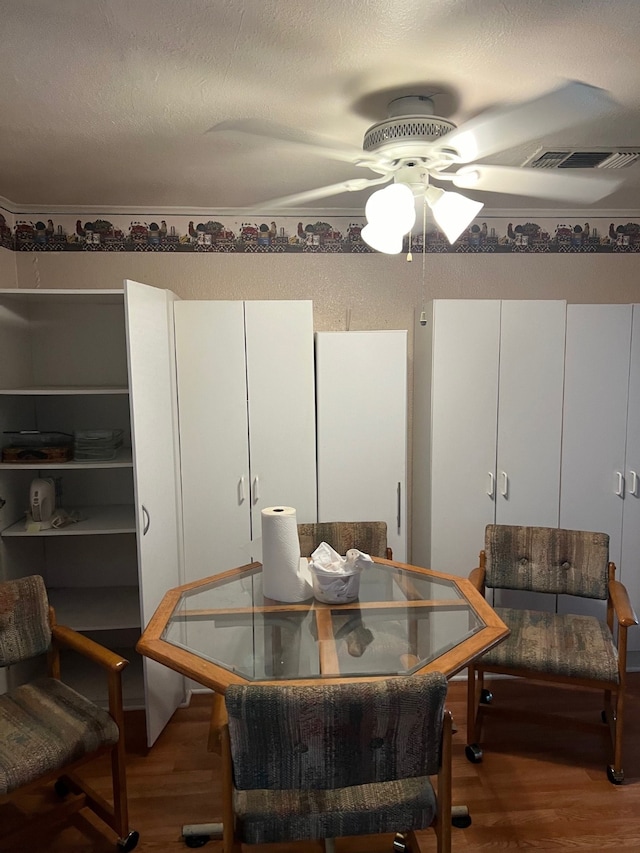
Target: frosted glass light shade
[(453, 212), (382, 239), (391, 214), (392, 207)]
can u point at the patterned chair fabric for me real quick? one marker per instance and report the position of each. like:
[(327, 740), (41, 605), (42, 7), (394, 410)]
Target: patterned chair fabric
[(555, 643), (370, 537), (24, 620), (546, 559), (44, 725), (336, 759)]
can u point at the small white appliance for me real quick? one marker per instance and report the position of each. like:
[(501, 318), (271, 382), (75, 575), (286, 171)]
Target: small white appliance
[(42, 498)]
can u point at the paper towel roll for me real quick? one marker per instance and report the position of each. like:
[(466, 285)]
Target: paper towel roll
[(285, 575)]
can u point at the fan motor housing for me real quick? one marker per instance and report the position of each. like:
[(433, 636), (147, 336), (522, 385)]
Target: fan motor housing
[(406, 132)]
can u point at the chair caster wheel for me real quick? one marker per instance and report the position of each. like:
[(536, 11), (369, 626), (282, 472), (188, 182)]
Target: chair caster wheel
[(129, 842), (486, 696), (616, 777), (473, 753), (400, 843), (460, 817), (196, 840), (61, 788)]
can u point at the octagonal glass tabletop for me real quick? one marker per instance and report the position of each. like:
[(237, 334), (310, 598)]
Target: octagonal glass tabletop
[(402, 621)]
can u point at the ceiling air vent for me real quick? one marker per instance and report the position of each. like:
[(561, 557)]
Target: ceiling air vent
[(604, 158)]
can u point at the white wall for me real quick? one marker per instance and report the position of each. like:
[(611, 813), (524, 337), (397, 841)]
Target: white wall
[(380, 291), (8, 273)]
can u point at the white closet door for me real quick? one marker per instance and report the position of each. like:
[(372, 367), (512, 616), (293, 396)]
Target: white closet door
[(464, 406), (595, 422), (629, 568), (281, 395), (530, 412), (212, 397), (361, 381), (154, 431)]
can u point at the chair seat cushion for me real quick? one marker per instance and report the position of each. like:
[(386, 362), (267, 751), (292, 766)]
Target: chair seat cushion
[(268, 816), (44, 726), (557, 644)]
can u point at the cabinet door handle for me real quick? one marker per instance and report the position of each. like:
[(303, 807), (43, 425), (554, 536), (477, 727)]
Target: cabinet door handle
[(147, 520), (620, 486), (241, 495), (633, 490), (491, 491), (399, 512), (504, 491), (256, 490)]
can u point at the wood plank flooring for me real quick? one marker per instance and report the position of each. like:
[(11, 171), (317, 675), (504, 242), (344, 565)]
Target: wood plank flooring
[(536, 789)]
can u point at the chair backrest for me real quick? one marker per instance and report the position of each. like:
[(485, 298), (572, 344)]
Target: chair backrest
[(370, 537), (335, 735), (547, 559), (24, 620)]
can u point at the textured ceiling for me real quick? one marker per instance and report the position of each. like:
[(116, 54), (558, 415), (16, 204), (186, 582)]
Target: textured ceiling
[(108, 102)]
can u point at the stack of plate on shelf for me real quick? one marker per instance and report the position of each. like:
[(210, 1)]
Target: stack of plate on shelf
[(96, 445)]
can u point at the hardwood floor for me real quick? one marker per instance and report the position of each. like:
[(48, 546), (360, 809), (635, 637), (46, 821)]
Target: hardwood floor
[(537, 789)]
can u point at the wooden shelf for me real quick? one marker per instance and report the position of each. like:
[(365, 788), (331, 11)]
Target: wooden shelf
[(98, 520), (96, 608), (124, 459)]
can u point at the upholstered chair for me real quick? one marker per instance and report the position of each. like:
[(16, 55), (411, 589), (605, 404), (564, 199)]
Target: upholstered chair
[(565, 645), (333, 760), (47, 729), (370, 537)]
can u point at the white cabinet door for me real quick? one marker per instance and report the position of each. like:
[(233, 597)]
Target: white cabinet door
[(361, 382), (595, 419), (487, 434), (530, 412), (595, 422), (281, 400), (629, 568), (154, 432), (531, 385), (212, 397), (455, 427)]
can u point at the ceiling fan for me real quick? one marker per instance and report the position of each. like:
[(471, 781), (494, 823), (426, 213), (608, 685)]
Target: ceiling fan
[(413, 147)]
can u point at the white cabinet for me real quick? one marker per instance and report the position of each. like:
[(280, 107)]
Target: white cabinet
[(361, 388), (488, 385), (64, 366), (247, 423), (601, 443)]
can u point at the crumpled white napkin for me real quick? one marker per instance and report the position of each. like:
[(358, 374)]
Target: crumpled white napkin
[(326, 559)]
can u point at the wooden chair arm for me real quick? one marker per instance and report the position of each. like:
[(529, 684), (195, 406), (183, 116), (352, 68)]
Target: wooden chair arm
[(621, 604), (71, 639), (477, 577)]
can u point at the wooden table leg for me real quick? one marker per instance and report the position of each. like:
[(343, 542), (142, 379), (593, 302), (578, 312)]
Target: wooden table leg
[(218, 719)]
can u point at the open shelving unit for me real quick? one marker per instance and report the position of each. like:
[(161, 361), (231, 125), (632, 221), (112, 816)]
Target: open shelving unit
[(63, 367)]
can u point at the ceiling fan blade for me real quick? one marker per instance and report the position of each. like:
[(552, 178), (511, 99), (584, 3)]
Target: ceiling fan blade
[(323, 147), (321, 192), (511, 125), (562, 185)]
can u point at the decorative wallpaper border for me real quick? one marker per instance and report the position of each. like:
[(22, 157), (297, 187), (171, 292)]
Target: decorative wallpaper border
[(179, 233)]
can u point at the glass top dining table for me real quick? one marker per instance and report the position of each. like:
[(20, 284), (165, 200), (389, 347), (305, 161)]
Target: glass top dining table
[(222, 629)]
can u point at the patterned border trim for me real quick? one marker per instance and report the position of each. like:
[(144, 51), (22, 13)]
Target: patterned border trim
[(289, 235)]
